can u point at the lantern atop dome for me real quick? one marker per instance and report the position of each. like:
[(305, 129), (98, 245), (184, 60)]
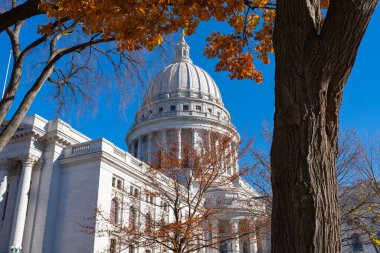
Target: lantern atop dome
[(182, 50)]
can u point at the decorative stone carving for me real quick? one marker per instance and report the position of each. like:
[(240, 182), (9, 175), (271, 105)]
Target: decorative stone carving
[(15, 250), (29, 159)]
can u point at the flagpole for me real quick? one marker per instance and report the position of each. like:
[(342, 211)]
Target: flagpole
[(6, 74)]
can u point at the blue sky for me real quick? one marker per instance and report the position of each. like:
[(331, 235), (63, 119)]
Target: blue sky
[(249, 104)]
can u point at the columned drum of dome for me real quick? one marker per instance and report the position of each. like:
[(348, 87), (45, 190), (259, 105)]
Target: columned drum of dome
[(181, 101)]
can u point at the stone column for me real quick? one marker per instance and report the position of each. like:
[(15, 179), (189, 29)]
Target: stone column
[(209, 141), (253, 237), (235, 231), (163, 140), (215, 236), (231, 159), (4, 173), (179, 143), (236, 162), (133, 148), (3, 191), (194, 136), (150, 148), (139, 147), (253, 243), (22, 203)]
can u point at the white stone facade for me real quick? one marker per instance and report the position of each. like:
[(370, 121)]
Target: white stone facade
[(52, 178)]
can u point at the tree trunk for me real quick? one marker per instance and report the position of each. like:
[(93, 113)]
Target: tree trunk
[(313, 63)]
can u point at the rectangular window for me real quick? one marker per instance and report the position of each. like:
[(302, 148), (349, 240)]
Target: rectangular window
[(117, 183), (151, 200), (198, 108), (209, 110), (160, 109), (185, 107), (165, 206), (172, 108), (113, 245), (134, 191)]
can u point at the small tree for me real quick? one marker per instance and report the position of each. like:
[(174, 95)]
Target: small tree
[(188, 188)]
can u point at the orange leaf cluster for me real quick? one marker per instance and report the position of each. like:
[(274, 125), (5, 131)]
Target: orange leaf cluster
[(229, 49), (144, 23)]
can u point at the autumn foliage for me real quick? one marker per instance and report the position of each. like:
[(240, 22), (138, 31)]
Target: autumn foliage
[(144, 24)]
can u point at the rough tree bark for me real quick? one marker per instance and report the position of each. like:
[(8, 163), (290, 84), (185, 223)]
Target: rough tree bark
[(313, 62)]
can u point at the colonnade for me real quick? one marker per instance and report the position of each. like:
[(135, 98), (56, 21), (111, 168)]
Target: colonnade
[(146, 155), (233, 243)]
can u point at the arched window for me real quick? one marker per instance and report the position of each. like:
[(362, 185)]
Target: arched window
[(357, 245), (114, 212), (132, 216)]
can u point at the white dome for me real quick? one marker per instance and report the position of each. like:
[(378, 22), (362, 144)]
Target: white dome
[(183, 79), (181, 96)]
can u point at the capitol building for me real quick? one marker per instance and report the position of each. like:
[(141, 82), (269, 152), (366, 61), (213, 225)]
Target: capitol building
[(52, 177)]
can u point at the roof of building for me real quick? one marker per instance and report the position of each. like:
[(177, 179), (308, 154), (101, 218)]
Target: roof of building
[(182, 78)]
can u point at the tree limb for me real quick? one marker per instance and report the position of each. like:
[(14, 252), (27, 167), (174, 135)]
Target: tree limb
[(15, 15)]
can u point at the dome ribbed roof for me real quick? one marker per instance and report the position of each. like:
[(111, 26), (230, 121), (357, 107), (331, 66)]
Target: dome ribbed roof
[(184, 79)]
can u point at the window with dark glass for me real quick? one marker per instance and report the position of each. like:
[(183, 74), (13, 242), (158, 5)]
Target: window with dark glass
[(223, 247), (172, 108), (113, 245), (209, 110), (245, 247), (198, 108), (132, 216), (148, 222), (131, 190), (117, 183), (185, 107), (160, 109), (114, 212), (136, 194)]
